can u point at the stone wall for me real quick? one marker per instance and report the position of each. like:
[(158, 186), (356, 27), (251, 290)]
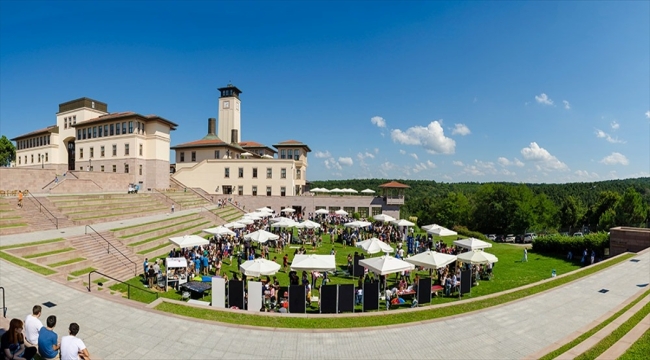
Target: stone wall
[(32, 179), (624, 239)]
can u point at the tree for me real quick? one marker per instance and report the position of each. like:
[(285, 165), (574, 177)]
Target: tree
[(606, 200), (452, 210), (545, 213), (571, 212), (630, 209), (7, 151)]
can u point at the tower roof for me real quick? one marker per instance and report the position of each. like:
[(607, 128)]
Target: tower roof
[(394, 185)]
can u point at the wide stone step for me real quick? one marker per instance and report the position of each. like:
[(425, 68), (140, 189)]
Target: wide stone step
[(197, 227), (167, 230), (152, 225)]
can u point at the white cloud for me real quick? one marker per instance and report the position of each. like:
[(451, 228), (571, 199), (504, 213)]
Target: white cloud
[(582, 174), (543, 99), (347, 161), (423, 166), (376, 150), (378, 121), (614, 159), (403, 152), (603, 135), (332, 164), (322, 155), (647, 114), (505, 162), (414, 155), (386, 166), (460, 129), (432, 138), (365, 155), (566, 104), (457, 163), (615, 125), (542, 158)]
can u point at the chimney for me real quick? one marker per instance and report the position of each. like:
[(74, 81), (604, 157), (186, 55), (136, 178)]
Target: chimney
[(212, 126), (234, 135)]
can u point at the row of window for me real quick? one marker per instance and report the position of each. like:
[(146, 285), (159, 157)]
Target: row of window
[(114, 167), (269, 173), (217, 155), (269, 190), (45, 158), (69, 121), (290, 154), (33, 142), (93, 132), (102, 151)]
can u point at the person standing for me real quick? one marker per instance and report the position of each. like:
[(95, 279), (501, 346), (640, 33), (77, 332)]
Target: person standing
[(20, 198), (12, 342), (32, 326), (48, 345), (525, 259), (172, 208), (73, 348)]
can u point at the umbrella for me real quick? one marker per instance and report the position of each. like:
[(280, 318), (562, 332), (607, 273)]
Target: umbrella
[(383, 217), (313, 262), (219, 231), (308, 224), (288, 210), (246, 154), (336, 190), (259, 267), (322, 211), (374, 245), (386, 265), (253, 216), (477, 257), (285, 223), (267, 156), (472, 244), (261, 214), (234, 225), (245, 221), (441, 231), (368, 191), (341, 212), (351, 191), (431, 259), (265, 209), (323, 190), (429, 227), (188, 241), (357, 224), (402, 222), (261, 236)]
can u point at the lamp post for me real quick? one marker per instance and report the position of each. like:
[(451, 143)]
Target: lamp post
[(90, 164), (41, 159)]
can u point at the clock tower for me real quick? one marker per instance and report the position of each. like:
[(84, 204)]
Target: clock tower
[(229, 114)]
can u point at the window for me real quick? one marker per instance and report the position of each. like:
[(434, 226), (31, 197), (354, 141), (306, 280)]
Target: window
[(130, 127), (39, 157), (283, 154), (289, 154), (193, 156), (216, 154), (268, 191), (298, 174), (32, 158), (138, 127), (114, 168), (84, 133), (241, 173), (65, 123), (254, 190), (240, 190), (100, 131), (124, 128), (283, 173), (283, 191), (182, 156), (92, 152), (126, 149), (117, 129), (114, 151), (94, 132), (226, 172), (112, 127), (47, 158), (296, 154), (140, 149), (254, 173), (81, 153), (105, 130), (140, 170), (102, 152), (126, 168), (74, 119), (48, 140), (269, 173), (20, 160), (81, 168), (101, 168)]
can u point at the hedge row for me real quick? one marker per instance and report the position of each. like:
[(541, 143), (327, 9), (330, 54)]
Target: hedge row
[(558, 244), (466, 232)]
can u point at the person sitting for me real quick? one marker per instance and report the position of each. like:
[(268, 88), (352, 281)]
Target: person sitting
[(12, 342)]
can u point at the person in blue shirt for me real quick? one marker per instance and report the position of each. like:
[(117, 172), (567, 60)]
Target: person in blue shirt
[(146, 265), (205, 264), (197, 265), (48, 345)]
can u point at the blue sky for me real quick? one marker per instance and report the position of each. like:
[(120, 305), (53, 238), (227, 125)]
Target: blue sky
[(461, 91)]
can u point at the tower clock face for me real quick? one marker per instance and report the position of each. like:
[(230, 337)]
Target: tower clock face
[(226, 104)]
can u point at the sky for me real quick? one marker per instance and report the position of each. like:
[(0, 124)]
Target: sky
[(541, 92)]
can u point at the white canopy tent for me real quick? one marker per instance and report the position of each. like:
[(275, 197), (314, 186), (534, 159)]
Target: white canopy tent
[(472, 244), (188, 241), (386, 265), (319, 190), (430, 227), (265, 209), (383, 217), (402, 222), (357, 224), (288, 210), (246, 154), (261, 236), (477, 257), (219, 231), (253, 216), (313, 262), (336, 190), (322, 211), (246, 221), (374, 245), (441, 231), (175, 263), (262, 214), (341, 212), (234, 225), (259, 267), (308, 224), (350, 191), (267, 156), (284, 223), (431, 259), (368, 191)]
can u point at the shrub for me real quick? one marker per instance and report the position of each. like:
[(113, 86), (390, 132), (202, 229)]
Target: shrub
[(356, 216), (561, 245), (466, 232)]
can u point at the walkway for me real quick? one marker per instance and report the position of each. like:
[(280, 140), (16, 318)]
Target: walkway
[(115, 330)]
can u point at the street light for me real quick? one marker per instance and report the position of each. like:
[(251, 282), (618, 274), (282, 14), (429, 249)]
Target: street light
[(40, 160), (90, 165)]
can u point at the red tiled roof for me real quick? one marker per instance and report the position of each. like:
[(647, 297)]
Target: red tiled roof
[(394, 184), (201, 143), (125, 114), (250, 144), (40, 131)]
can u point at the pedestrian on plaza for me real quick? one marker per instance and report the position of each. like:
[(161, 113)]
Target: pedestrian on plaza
[(73, 348), (48, 345), (172, 208)]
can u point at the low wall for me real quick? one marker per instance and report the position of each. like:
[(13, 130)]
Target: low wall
[(623, 239), (72, 185), (20, 179)]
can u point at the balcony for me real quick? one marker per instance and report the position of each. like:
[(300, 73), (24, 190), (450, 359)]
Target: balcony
[(394, 199)]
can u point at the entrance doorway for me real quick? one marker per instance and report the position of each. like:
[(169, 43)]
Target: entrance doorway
[(71, 155)]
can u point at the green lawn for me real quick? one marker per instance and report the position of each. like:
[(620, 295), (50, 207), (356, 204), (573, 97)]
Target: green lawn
[(53, 252), (42, 242), (82, 271), (638, 349), (149, 223), (26, 264), (66, 262)]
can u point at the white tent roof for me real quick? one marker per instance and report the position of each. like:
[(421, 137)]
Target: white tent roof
[(261, 236), (323, 190), (308, 224), (431, 259), (288, 210), (357, 224), (265, 209), (234, 225), (341, 212), (259, 267), (285, 223), (383, 217), (472, 244), (430, 226), (441, 231), (477, 257), (403, 222), (386, 265), (246, 221), (313, 263), (180, 262), (188, 241), (368, 191), (336, 190), (322, 211), (219, 230), (374, 245)]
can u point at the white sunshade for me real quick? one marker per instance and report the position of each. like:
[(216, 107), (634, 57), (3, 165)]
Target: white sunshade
[(441, 231), (357, 224), (261, 214), (246, 221), (259, 267), (336, 190), (188, 241), (261, 236), (374, 245), (284, 223), (313, 262), (265, 209), (477, 257), (351, 191), (219, 230), (323, 190), (403, 222), (383, 217), (368, 191), (386, 265), (246, 154), (288, 210), (267, 156), (308, 224), (341, 212), (430, 226), (253, 215), (322, 211), (234, 225), (431, 259), (472, 244), (180, 262)]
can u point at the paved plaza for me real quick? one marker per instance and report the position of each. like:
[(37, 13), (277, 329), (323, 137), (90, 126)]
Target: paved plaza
[(119, 330)]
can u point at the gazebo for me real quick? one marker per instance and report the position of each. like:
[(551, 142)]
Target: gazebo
[(393, 192)]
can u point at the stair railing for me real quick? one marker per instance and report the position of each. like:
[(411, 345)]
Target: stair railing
[(109, 246), (128, 286), (177, 206), (4, 307), (42, 207)]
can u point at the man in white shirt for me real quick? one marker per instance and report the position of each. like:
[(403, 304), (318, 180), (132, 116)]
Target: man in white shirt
[(32, 326), (73, 348)]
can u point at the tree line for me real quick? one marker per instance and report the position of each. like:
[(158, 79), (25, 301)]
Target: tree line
[(503, 208)]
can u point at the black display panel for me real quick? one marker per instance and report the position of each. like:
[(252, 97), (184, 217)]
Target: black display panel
[(357, 270), (236, 294), (465, 281), (346, 297), (370, 296), (328, 299), (297, 299), (424, 291)]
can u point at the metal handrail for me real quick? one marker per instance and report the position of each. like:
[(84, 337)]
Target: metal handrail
[(4, 308), (191, 189), (170, 199), (108, 248), (128, 288), (56, 179), (33, 198)]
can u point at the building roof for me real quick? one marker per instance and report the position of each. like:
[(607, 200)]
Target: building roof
[(125, 115), (291, 143), (394, 185), (47, 130), (255, 145), (201, 143)]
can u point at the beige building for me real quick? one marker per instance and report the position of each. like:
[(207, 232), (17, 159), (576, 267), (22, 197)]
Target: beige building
[(220, 163), (86, 137)]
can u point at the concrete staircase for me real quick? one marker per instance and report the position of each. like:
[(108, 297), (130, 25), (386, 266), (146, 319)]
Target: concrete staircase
[(115, 260), (31, 217)]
